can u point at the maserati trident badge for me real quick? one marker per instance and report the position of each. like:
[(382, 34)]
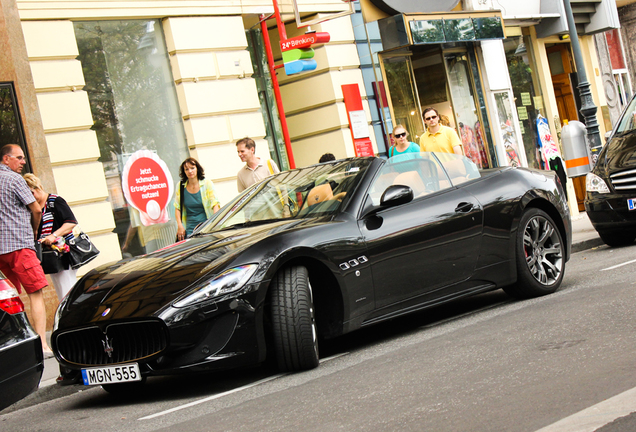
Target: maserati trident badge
[(108, 347)]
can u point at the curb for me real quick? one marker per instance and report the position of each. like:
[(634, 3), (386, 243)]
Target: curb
[(586, 245)]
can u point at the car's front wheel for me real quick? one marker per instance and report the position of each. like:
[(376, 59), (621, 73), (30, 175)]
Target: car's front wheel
[(540, 256), (294, 320), (616, 239)]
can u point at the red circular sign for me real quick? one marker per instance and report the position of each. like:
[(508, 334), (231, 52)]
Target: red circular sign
[(147, 185)]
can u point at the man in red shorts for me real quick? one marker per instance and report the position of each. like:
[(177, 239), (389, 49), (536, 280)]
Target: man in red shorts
[(19, 219)]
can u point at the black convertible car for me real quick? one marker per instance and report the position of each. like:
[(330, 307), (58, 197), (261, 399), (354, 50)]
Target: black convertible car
[(315, 253)]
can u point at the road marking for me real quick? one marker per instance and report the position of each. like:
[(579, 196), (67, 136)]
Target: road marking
[(220, 395), (596, 416), (619, 265), (216, 396)]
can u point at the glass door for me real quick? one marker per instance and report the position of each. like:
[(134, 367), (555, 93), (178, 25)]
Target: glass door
[(403, 94), (432, 86), (465, 108)]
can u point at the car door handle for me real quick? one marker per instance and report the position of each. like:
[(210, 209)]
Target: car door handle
[(463, 207)]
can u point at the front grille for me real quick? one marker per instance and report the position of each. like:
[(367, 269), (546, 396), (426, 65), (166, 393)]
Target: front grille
[(118, 343), (624, 181)]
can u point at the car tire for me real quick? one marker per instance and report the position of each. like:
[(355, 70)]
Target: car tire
[(126, 388), (294, 320), (540, 256), (617, 239)]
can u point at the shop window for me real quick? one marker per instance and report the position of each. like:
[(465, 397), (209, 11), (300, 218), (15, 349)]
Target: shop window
[(134, 106), (464, 105), (506, 127), (528, 99), (10, 122), (621, 77)]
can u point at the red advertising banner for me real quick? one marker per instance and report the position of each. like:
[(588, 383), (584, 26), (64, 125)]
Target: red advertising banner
[(148, 187), (357, 120)]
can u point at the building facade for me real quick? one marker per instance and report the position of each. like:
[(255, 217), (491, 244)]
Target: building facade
[(501, 73), (85, 86)]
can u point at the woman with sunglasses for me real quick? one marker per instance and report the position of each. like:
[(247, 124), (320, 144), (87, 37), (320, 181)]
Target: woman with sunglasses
[(439, 138), (402, 144)]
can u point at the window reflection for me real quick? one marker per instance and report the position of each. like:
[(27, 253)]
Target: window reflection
[(488, 28), (427, 31), (459, 30), (134, 107)]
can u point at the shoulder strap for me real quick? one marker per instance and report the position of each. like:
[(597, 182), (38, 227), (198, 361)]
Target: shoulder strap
[(181, 186), (50, 201), (269, 165)]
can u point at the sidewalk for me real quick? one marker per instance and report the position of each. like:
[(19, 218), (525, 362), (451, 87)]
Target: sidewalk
[(584, 237)]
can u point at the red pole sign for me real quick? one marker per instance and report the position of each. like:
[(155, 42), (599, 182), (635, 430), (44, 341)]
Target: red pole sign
[(147, 185)]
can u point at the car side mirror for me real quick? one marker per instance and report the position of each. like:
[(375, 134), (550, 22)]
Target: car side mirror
[(396, 195), (393, 196)]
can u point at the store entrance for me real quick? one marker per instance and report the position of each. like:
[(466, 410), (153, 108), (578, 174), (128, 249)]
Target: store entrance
[(430, 77), (561, 69)]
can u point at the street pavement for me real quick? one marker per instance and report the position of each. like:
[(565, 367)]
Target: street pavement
[(584, 237), (616, 414)]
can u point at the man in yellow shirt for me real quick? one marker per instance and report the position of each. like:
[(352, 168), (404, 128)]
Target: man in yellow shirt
[(439, 138)]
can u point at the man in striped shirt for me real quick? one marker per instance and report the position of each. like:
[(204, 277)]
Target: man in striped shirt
[(19, 220)]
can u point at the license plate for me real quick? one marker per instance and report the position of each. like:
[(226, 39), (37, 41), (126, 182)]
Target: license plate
[(631, 203), (111, 374)]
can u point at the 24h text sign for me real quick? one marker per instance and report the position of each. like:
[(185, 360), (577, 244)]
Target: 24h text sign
[(304, 41), (147, 185)]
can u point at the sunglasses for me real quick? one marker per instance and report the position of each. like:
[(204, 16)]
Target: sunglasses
[(400, 135), (430, 118)]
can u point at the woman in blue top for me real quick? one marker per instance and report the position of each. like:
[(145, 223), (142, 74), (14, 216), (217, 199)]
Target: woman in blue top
[(199, 198), (402, 144)]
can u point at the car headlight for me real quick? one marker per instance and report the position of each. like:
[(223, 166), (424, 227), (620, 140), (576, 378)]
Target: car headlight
[(594, 183), (227, 282)]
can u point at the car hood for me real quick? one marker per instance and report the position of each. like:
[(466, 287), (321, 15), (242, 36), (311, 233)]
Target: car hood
[(620, 154), (141, 286)]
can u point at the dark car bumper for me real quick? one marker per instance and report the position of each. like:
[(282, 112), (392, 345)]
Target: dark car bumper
[(219, 335), (21, 365), (609, 212)]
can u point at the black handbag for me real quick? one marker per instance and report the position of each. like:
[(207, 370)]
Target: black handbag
[(51, 261), (181, 187), (81, 250)]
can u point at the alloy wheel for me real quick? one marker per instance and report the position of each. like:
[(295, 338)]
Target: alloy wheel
[(543, 250)]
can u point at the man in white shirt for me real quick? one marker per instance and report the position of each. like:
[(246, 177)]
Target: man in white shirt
[(255, 168)]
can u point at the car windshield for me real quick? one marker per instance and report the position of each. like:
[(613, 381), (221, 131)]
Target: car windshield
[(628, 122), (317, 190), (424, 172)]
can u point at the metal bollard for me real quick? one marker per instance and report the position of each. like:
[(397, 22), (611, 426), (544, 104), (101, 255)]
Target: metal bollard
[(577, 159)]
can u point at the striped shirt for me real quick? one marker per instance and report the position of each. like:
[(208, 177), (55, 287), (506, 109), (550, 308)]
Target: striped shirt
[(15, 217)]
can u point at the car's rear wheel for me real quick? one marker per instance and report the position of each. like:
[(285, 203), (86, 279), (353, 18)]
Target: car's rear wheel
[(294, 320), (540, 256), (616, 239)]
